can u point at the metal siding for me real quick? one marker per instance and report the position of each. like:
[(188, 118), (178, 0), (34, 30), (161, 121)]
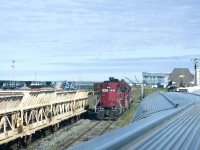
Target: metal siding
[(175, 133), (153, 104), (162, 126)]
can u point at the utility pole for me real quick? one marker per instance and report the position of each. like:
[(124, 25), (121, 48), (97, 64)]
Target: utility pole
[(13, 66), (196, 75)]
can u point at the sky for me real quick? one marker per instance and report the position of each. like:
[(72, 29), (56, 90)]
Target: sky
[(92, 40)]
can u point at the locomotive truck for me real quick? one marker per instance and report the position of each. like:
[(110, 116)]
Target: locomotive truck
[(114, 97)]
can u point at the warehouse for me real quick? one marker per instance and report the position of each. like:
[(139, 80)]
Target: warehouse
[(181, 77)]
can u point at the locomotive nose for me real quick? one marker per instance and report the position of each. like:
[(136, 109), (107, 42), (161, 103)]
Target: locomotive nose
[(107, 112)]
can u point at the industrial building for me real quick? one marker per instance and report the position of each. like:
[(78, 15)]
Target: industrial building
[(155, 78), (181, 77)]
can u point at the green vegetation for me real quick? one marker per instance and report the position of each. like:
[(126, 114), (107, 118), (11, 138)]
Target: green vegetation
[(181, 84), (149, 90), (126, 118)]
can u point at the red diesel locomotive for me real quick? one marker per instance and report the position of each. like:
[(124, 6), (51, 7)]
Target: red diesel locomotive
[(113, 99)]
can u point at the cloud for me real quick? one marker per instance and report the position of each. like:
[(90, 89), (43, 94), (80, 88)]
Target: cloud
[(93, 36), (146, 64)]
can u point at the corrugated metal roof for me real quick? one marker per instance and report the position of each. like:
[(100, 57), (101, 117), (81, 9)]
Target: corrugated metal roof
[(163, 127), (160, 102), (152, 105), (175, 133)]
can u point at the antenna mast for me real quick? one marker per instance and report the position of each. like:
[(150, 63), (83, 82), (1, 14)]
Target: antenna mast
[(13, 66)]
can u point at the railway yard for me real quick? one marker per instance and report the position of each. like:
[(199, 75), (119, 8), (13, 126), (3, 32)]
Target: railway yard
[(59, 119), (83, 130), (100, 75), (54, 119)]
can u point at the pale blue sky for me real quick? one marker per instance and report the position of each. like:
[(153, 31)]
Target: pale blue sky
[(95, 39)]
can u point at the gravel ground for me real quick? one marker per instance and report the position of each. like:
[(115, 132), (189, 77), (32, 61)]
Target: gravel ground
[(95, 132), (58, 139)]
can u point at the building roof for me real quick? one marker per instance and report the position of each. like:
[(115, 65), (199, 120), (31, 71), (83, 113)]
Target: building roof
[(183, 75), (171, 121)]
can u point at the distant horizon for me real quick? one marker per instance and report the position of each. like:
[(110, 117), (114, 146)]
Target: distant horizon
[(133, 78)]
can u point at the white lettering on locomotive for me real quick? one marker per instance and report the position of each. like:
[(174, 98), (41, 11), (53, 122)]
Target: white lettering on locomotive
[(104, 90)]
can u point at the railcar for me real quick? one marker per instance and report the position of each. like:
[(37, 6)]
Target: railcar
[(28, 113), (114, 97)]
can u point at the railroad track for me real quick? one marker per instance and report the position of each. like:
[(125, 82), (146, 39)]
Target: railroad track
[(97, 129), (107, 127), (36, 140), (72, 135)]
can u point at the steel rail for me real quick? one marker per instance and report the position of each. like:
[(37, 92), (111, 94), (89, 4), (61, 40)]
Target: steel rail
[(76, 139), (105, 129)]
